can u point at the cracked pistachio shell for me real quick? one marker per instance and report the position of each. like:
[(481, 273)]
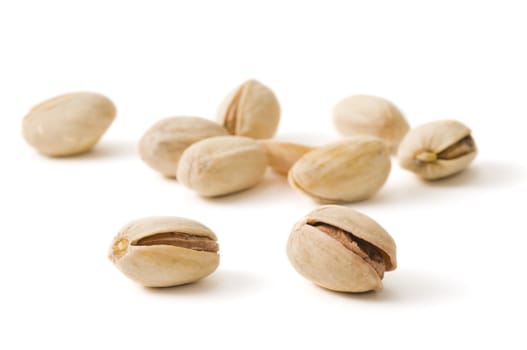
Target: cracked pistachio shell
[(370, 115), (250, 110), (222, 165), (282, 156), (327, 262), (438, 149), (68, 124), (163, 144), (165, 251), (350, 170)]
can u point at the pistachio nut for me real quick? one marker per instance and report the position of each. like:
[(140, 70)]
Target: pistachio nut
[(341, 249), (165, 251), (350, 170), (221, 165), (370, 115), (438, 149), (250, 110), (162, 145), (282, 155), (68, 124)]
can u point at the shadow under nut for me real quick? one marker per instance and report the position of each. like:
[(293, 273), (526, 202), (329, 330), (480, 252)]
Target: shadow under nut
[(68, 124)]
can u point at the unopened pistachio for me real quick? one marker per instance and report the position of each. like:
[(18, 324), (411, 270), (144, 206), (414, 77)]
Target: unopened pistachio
[(350, 170), (250, 110), (438, 149), (370, 115), (341, 249), (221, 165), (68, 124), (162, 145), (165, 251), (282, 156)]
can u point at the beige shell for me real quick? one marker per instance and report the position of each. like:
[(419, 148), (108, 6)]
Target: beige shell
[(327, 262), (68, 124), (370, 115), (221, 165), (283, 155), (163, 144), (250, 110), (438, 149), (350, 170), (165, 251)]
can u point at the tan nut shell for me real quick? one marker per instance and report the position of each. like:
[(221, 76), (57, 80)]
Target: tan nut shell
[(68, 124), (283, 155), (326, 262), (250, 110), (350, 170), (433, 138), (163, 144), (221, 165), (370, 115), (162, 265)]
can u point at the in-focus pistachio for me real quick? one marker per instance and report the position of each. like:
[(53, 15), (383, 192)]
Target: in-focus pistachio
[(438, 149), (68, 124), (165, 251), (341, 249), (281, 156), (370, 115), (250, 110), (221, 165), (162, 145), (350, 170)]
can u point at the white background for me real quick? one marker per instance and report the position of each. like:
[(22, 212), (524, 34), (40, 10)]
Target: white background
[(461, 242)]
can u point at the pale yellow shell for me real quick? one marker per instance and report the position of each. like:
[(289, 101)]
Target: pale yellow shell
[(250, 110), (420, 151), (68, 124), (221, 165), (350, 170), (326, 262), (162, 265), (163, 144), (370, 115)]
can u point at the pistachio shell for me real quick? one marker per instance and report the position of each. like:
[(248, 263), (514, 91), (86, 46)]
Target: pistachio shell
[(250, 110), (370, 115), (326, 261), (221, 165), (163, 144), (283, 155), (438, 149), (350, 170), (68, 124), (164, 263)]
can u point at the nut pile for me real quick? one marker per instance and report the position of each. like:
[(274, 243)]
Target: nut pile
[(334, 246)]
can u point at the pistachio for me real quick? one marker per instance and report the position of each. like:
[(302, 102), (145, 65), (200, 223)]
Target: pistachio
[(282, 155), (250, 110), (438, 149), (341, 249), (221, 165), (370, 115), (350, 170), (162, 145), (68, 124), (165, 251)]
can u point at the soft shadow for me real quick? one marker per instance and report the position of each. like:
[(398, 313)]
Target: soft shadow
[(485, 174), (272, 186), (409, 287), (104, 150), (222, 283)]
